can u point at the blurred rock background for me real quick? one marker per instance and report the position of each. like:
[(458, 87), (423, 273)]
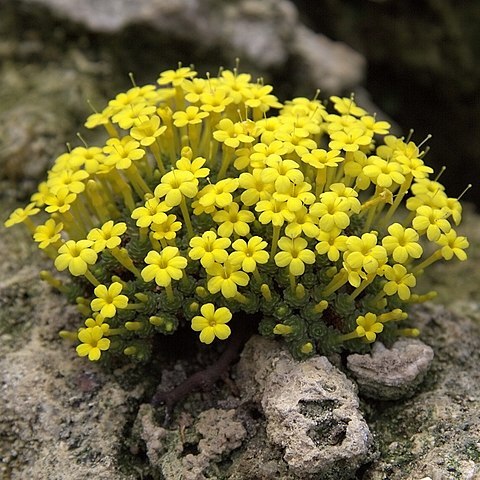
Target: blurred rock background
[(63, 418)]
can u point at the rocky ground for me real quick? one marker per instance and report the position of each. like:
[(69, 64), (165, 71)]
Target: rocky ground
[(63, 417)]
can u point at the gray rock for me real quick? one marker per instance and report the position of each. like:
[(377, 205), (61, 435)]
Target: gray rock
[(311, 409), (264, 35), (391, 373), (61, 417), (435, 433), (325, 64), (214, 435), (38, 114)]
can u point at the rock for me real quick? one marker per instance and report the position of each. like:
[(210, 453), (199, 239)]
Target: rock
[(435, 433), (267, 36), (212, 437), (61, 418), (391, 373), (330, 66), (311, 410), (38, 114)]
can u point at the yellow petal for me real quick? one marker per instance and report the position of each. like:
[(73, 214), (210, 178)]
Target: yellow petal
[(222, 331)]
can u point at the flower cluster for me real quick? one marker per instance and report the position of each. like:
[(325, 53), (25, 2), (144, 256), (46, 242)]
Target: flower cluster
[(209, 197)]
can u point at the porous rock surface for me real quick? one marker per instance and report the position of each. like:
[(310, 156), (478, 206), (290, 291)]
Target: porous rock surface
[(312, 412), (436, 432), (217, 433), (60, 419), (391, 373)]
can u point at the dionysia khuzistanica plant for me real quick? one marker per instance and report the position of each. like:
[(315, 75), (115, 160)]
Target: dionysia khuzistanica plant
[(209, 197)]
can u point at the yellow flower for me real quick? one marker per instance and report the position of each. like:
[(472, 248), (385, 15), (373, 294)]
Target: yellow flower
[(255, 188), (231, 134), (364, 253), (432, 221), (209, 249), (122, 152), (167, 229), (349, 194), (237, 84), (92, 158), (147, 130), (176, 185), (218, 194), (281, 172), (347, 106), (232, 219), (108, 300), (320, 158), (296, 195), (274, 212), (226, 278), (402, 243), (194, 89), (264, 151), (19, 215), (60, 201), (368, 327), (48, 234), (108, 236), (215, 101), (304, 222), (381, 127), (72, 180), (332, 211), (97, 320), (133, 95), (194, 166), (408, 155), (350, 140), (453, 245), (212, 322), (93, 343), (76, 256), (153, 212), (176, 77), (331, 243), (130, 115), (399, 281), (99, 118), (164, 267), (191, 116), (383, 173), (294, 255), (258, 96), (247, 255)]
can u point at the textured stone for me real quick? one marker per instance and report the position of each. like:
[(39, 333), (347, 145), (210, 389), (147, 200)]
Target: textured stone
[(435, 433), (313, 413), (391, 373), (266, 36), (311, 410), (213, 436), (325, 64)]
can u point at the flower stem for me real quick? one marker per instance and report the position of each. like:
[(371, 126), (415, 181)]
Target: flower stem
[(186, 217)]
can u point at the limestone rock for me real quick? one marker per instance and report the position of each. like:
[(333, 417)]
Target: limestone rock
[(391, 373), (325, 64), (435, 433), (311, 410), (266, 36), (212, 436)]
